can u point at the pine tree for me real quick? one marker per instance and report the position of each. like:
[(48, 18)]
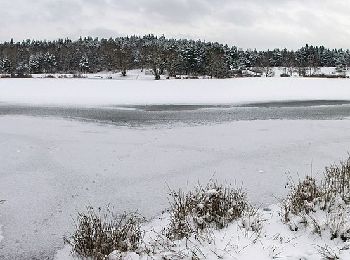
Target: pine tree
[(6, 66), (84, 64)]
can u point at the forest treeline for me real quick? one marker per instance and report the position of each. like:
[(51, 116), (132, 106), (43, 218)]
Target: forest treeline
[(162, 56)]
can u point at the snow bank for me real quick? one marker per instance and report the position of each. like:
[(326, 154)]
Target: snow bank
[(140, 92), (276, 240)]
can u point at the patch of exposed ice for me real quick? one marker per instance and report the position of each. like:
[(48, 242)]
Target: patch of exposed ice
[(1, 236)]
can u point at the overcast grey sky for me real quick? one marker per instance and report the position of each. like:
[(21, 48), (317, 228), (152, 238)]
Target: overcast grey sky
[(246, 23)]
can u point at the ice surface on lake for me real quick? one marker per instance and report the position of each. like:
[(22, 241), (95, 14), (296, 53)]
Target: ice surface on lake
[(1, 237), (66, 165)]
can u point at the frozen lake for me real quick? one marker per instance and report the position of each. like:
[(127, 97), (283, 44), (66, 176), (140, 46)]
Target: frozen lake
[(67, 144), (55, 160)]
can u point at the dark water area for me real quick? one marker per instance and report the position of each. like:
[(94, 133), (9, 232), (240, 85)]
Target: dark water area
[(189, 114)]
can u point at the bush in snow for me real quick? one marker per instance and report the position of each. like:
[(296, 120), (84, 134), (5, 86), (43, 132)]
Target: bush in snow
[(213, 205), (284, 75), (336, 199), (327, 253), (337, 182), (301, 197), (324, 207), (99, 233), (78, 76)]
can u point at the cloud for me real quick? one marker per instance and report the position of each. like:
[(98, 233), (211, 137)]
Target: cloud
[(246, 23)]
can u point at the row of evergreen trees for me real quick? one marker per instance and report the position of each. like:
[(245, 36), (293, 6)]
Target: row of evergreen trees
[(176, 57)]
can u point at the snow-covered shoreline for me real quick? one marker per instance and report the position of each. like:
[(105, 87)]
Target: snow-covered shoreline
[(85, 92), (276, 240)]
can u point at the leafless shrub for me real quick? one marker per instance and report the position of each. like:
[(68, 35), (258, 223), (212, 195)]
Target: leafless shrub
[(327, 253), (98, 233), (332, 196), (332, 76), (338, 223), (21, 75), (213, 205), (79, 76), (313, 222), (285, 75), (337, 182), (253, 223), (301, 198)]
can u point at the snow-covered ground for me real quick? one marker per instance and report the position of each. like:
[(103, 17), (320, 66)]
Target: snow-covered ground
[(274, 241), (51, 168), (88, 92)]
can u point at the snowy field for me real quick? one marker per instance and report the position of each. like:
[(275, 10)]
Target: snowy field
[(90, 92), (51, 168)]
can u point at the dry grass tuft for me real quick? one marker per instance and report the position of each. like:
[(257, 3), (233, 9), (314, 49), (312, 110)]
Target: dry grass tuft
[(211, 206), (98, 233), (331, 198)]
